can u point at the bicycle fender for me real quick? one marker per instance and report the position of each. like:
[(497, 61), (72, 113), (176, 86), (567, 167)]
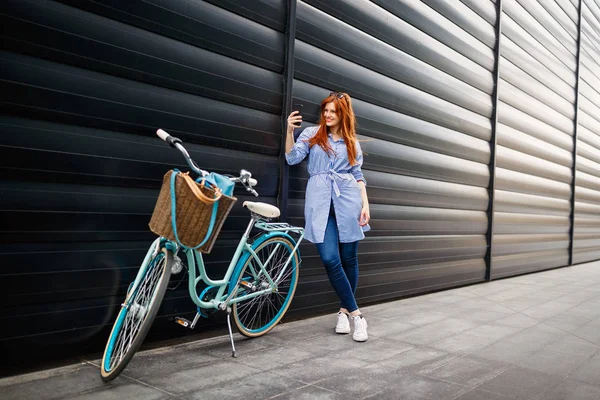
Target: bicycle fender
[(245, 255)]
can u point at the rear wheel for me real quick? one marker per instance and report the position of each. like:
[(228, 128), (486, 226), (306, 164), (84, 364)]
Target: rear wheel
[(258, 315), (136, 315)]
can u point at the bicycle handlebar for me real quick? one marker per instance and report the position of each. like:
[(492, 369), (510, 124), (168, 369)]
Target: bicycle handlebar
[(245, 176)]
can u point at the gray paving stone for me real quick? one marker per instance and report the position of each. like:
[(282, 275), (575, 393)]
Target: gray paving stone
[(130, 391), (571, 390), (589, 331), (478, 394), (469, 371), (55, 384), (568, 322), (462, 343), (571, 344), (310, 393), (521, 383), (165, 361), (493, 331), (389, 328), (554, 363), (361, 383), (425, 318), (416, 387), (268, 359), (194, 379), (482, 316), (417, 360), (540, 334), (316, 369), (508, 352), (326, 343), (436, 331), (588, 372), (259, 386), (517, 320), (543, 312), (374, 350)]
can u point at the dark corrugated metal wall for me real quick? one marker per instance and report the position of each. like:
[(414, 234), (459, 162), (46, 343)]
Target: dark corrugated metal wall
[(422, 93), (84, 85), (535, 112)]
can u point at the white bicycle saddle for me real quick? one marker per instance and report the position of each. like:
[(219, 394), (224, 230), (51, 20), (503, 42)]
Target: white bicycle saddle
[(264, 209)]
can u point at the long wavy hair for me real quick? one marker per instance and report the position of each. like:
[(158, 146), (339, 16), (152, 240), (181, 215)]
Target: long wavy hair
[(343, 108)]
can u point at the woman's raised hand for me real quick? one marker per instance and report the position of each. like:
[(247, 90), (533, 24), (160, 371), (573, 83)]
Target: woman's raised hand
[(294, 121)]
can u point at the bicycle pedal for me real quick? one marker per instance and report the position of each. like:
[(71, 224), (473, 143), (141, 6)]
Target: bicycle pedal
[(183, 322)]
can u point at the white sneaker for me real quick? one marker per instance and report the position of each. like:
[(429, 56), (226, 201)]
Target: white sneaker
[(343, 324), (360, 329)]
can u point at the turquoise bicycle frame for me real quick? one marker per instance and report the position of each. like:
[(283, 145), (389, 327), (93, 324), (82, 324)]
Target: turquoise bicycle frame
[(244, 251)]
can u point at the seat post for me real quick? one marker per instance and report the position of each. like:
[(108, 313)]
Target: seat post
[(250, 225)]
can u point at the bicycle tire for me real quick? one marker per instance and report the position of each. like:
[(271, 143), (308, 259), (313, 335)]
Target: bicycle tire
[(256, 316), (146, 299)]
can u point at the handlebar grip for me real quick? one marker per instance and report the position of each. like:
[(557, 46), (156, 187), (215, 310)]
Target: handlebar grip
[(252, 182), (162, 134)]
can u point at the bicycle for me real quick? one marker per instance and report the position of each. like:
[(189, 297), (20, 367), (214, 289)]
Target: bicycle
[(257, 288)]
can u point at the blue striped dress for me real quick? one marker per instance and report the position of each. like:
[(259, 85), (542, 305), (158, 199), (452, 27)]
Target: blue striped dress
[(332, 181)]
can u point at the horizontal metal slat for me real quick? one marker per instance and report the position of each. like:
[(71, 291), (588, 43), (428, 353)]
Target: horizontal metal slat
[(198, 23), (512, 202), (467, 19), (323, 69), (522, 183), (319, 29), (517, 140), (521, 162), (383, 25), (378, 122), (535, 69), (32, 87), (439, 27), (523, 122)]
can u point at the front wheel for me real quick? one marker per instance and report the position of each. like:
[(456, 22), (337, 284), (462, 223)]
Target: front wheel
[(136, 315), (258, 315)]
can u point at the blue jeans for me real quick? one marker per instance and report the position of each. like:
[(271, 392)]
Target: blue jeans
[(341, 263)]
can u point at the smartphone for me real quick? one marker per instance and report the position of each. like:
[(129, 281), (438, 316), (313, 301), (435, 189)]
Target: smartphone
[(297, 106)]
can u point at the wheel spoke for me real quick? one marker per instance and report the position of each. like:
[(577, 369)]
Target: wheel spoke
[(259, 312), (137, 310)]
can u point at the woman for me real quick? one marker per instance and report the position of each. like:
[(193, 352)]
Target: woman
[(337, 208)]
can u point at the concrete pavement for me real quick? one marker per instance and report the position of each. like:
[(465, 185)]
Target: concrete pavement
[(535, 336)]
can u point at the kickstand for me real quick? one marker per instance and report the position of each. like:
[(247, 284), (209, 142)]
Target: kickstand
[(230, 334)]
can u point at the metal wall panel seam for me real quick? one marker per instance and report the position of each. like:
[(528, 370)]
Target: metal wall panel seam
[(493, 144), (576, 123), (288, 83), (568, 8)]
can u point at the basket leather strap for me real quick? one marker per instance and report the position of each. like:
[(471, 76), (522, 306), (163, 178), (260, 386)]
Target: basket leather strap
[(213, 216), (197, 192)]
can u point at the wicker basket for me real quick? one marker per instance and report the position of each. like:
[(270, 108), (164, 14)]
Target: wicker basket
[(193, 215)]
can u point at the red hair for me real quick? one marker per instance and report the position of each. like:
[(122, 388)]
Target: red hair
[(343, 108)]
